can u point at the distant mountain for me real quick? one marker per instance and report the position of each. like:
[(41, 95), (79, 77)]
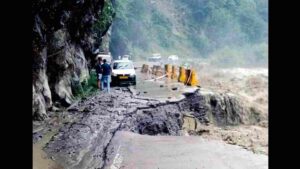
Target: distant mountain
[(229, 32)]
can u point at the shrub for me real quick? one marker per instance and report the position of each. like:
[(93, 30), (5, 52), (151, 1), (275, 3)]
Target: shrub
[(86, 88)]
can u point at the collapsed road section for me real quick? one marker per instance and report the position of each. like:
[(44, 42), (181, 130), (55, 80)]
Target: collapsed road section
[(81, 137)]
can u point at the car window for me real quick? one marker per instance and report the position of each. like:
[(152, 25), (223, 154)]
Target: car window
[(123, 65)]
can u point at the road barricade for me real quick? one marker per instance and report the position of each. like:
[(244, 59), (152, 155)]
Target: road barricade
[(182, 75), (174, 72), (168, 70), (157, 70), (145, 68), (192, 78)]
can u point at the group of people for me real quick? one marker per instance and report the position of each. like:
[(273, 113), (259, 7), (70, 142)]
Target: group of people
[(103, 71)]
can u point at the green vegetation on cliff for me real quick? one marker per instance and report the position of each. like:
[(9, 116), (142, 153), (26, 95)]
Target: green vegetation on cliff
[(227, 32)]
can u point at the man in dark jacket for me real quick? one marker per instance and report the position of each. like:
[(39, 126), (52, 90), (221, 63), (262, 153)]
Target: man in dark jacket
[(99, 72), (106, 71)]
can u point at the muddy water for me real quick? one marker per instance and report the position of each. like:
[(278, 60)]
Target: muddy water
[(245, 72), (41, 161), (39, 157)]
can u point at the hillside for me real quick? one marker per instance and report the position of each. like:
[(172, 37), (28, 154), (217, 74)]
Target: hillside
[(227, 32)]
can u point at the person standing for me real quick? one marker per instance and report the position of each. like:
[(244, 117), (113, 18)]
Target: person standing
[(99, 72), (106, 71)]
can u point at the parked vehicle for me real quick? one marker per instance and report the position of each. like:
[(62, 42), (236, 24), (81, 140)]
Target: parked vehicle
[(173, 58), (155, 59), (105, 56), (128, 57), (123, 72)]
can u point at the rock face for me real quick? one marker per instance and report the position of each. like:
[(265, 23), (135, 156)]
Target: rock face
[(105, 41), (62, 48)]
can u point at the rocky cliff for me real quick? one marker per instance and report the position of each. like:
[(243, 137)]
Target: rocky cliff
[(63, 45)]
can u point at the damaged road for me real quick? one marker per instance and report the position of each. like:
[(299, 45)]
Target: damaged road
[(82, 135), (129, 150)]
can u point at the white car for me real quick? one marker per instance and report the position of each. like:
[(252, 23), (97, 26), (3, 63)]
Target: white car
[(155, 59), (123, 72), (126, 57), (105, 56), (173, 58)]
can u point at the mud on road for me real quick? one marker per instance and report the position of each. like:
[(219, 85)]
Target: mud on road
[(79, 137), (84, 131)]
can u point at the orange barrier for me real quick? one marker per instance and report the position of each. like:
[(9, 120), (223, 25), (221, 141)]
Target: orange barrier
[(174, 72), (145, 68), (182, 75), (157, 70), (192, 79), (168, 70)]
